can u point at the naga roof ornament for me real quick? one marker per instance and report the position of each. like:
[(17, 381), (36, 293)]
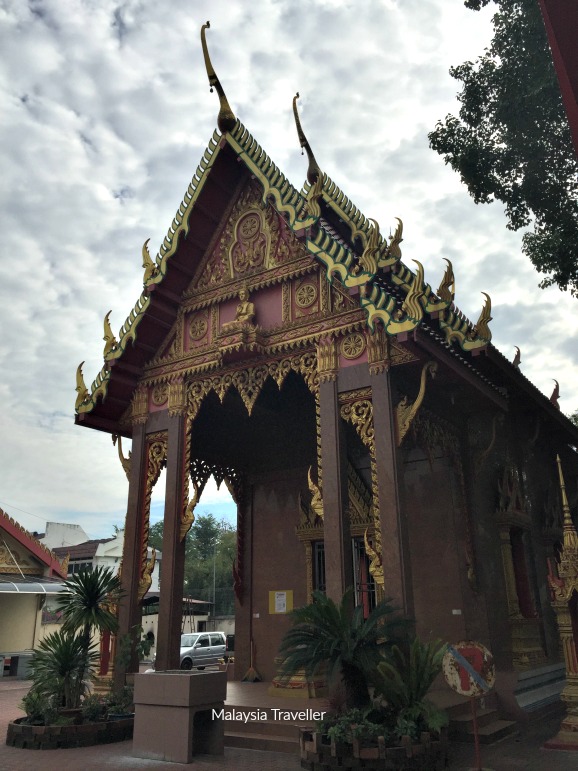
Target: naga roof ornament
[(556, 395), (110, 341), (81, 389), (149, 267), (517, 358), (447, 289), (314, 173), (226, 120)]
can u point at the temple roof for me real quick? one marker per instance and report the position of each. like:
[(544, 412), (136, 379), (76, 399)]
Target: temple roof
[(339, 237), (51, 564)]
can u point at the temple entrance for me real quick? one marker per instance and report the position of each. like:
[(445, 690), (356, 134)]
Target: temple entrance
[(265, 456)]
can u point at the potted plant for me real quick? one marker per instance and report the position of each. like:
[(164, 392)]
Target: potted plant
[(399, 728)]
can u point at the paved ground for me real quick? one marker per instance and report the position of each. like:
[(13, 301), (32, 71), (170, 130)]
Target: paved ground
[(521, 753)]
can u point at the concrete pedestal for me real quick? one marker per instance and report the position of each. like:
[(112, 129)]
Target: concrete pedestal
[(174, 715)]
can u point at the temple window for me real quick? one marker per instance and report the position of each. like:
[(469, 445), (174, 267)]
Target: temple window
[(365, 594)]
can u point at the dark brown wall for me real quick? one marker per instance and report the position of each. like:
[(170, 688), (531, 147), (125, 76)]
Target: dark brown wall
[(278, 564), (435, 548)]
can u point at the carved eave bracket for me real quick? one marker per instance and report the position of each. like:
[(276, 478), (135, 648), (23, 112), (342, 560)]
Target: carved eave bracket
[(125, 462), (316, 496), (405, 413)]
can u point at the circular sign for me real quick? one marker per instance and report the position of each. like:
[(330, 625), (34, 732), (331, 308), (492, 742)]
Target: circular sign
[(469, 668)]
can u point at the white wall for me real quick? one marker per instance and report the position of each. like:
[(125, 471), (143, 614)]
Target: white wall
[(59, 534)]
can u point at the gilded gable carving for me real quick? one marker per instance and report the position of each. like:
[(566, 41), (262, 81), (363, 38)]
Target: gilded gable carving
[(254, 239)]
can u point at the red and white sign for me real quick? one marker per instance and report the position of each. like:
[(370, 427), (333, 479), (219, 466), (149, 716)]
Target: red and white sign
[(469, 668)]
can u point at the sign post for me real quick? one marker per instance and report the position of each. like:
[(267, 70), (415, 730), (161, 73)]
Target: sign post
[(469, 670)]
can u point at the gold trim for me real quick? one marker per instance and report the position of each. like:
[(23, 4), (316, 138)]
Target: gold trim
[(157, 448), (404, 412), (125, 462), (353, 346)]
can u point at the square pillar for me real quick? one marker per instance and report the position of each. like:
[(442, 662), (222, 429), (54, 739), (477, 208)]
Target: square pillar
[(393, 525), (337, 536), (173, 561), (129, 613)]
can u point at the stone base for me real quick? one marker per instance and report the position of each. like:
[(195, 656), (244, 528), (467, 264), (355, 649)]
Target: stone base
[(567, 736)]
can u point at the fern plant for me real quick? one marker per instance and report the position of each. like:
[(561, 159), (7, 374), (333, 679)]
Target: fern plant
[(328, 635), (403, 681)]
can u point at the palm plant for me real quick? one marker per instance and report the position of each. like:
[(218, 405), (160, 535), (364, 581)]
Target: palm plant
[(87, 600), (404, 679), (58, 666), (326, 634)]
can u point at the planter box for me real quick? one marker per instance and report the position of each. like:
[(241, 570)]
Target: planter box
[(179, 714), (318, 753), (54, 737)]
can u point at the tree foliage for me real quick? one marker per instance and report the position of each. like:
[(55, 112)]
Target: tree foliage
[(512, 143), (210, 550)]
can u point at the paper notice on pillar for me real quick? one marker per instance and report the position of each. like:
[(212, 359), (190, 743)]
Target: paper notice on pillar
[(281, 602)]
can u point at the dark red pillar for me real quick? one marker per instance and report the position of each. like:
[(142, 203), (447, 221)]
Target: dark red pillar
[(394, 546), (338, 556), (173, 558)]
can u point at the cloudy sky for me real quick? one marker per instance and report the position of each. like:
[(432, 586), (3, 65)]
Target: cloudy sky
[(106, 111)]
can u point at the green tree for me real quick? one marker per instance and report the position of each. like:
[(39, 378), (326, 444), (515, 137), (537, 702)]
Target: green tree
[(512, 143), (351, 647), (156, 535), (205, 533)]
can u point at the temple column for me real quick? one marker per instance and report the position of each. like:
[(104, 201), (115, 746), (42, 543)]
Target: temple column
[(129, 611), (338, 554), (394, 537), (174, 535)]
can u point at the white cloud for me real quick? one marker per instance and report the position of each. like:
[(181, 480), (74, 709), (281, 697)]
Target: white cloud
[(106, 112)]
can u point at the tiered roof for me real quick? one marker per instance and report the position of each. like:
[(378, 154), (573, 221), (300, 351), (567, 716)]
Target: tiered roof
[(337, 235)]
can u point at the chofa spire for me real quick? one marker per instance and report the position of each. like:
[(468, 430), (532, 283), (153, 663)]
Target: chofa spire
[(570, 535), (313, 171), (226, 119)]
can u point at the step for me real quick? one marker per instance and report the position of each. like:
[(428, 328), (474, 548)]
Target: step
[(257, 741), (489, 734), (264, 727), (463, 722)]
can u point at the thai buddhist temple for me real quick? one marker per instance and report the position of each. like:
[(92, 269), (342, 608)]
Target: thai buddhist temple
[(370, 434)]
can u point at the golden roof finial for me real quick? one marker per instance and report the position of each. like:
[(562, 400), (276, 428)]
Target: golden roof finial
[(110, 341), (226, 120), (570, 534), (313, 171), (81, 388)]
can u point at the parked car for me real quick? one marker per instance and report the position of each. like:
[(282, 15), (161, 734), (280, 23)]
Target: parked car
[(202, 648)]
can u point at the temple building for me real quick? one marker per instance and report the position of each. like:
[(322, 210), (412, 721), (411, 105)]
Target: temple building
[(370, 434)]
